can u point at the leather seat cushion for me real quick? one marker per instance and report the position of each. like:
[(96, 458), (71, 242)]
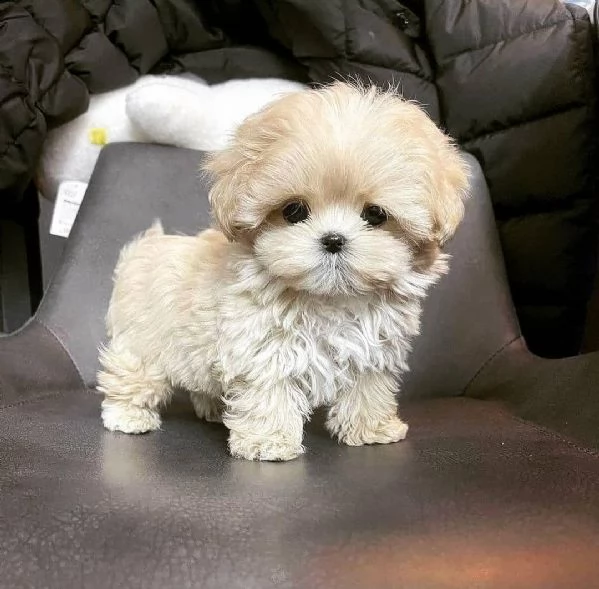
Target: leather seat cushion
[(473, 498)]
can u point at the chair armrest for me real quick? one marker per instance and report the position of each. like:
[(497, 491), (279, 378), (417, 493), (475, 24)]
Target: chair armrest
[(559, 394), (34, 361)]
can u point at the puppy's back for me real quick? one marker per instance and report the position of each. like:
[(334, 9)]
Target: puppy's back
[(156, 276)]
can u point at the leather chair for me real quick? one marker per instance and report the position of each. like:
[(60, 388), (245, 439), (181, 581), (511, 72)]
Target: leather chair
[(497, 485)]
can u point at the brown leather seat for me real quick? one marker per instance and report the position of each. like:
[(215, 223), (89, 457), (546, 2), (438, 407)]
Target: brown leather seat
[(496, 486)]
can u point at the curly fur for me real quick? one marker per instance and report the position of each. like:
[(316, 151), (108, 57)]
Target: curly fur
[(255, 318)]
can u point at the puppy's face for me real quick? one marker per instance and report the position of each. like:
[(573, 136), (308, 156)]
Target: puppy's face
[(340, 190)]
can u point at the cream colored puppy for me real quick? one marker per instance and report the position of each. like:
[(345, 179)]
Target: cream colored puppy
[(331, 205)]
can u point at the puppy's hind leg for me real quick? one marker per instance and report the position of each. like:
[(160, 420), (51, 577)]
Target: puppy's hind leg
[(133, 391), (208, 404)]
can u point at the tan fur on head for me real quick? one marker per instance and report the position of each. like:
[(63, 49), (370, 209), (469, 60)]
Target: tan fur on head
[(362, 138)]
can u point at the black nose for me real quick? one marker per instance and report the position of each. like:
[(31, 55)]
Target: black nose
[(333, 242)]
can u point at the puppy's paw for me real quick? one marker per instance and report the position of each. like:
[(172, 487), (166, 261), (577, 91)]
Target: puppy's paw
[(208, 408), (129, 419), (386, 432), (277, 447)]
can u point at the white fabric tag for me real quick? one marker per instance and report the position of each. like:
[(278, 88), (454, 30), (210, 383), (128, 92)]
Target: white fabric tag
[(68, 200)]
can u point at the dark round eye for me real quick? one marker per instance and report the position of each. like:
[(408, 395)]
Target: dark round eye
[(374, 215), (295, 212)]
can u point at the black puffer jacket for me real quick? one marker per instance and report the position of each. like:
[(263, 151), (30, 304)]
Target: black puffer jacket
[(513, 81)]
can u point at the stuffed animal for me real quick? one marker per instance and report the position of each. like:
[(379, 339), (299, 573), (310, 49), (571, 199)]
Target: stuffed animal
[(71, 150), (173, 110), (186, 112)]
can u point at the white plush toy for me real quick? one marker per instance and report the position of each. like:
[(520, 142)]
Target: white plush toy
[(185, 112), (173, 110), (71, 150)]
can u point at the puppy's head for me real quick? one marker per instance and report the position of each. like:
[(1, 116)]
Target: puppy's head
[(340, 190)]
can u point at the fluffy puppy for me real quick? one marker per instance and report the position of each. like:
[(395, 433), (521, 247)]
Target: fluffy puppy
[(331, 206)]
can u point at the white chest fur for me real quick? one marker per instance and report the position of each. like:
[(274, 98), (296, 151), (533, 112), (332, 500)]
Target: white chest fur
[(330, 344), (320, 344)]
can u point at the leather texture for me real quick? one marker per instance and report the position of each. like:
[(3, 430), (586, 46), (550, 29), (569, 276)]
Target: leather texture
[(473, 498), (32, 361), (476, 497), (559, 394)]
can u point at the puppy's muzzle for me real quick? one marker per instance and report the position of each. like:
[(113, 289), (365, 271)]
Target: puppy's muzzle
[(333, 242)]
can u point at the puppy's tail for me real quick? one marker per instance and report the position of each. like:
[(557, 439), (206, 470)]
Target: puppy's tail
[(155, 230)]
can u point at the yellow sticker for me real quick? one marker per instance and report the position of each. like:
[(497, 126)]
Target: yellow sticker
[(98, 136)]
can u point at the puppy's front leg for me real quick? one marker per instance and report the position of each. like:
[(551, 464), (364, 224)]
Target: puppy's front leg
[(266, 420), (366, 413)]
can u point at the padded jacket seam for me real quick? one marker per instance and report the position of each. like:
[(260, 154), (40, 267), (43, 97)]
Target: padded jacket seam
[(30, 108), (349, 60), (453, 56), (95, 26), (556, 112), (17, 138), (31, 125), (66, 350), (504, 214), (62, 55)]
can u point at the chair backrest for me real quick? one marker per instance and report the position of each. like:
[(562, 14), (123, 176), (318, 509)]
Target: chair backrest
[(469, 316)]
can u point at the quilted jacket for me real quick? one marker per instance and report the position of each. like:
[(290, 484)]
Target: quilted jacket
[(512, 80)]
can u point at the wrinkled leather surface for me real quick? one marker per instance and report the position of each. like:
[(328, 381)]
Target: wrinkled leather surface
[(560, 394), (32, 361), (474, 498)]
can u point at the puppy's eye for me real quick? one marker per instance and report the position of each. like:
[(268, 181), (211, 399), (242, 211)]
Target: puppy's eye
[(295, 212), (374, 215)]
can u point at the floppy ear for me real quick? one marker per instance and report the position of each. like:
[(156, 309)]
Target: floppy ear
[(235, 196), (439, 159), (449, 175), (229, 171)]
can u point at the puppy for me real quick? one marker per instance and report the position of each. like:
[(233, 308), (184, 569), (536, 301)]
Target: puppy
[(332, 206)]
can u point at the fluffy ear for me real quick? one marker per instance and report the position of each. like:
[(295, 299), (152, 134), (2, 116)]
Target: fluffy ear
[(229, 170), (439, 159), (449, 175), (237, 195), (448, 201)]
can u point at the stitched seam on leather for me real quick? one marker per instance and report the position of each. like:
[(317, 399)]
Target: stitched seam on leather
[(35, 399), (66, 350), (453, 56), (488, 361), (43, 396), (546, 430)]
